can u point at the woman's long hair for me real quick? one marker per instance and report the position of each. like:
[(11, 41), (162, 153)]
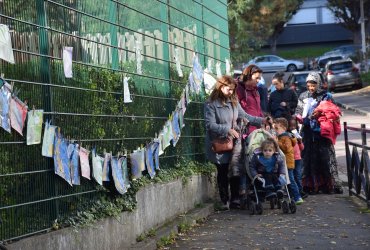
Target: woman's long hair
[(217, 93), (249, 71)]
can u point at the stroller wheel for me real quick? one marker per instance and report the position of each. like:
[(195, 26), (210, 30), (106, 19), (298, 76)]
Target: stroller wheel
[(259, 208), (285, 207), (252, 208), (292, 207), (272, 203), (279, 204)]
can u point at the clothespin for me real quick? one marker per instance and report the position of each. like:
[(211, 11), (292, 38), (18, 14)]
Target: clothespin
[(155, 135), (33, 110), (125, 152)]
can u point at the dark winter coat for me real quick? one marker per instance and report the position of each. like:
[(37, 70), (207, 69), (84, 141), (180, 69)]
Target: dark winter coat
[(284, 95), (219, 119), (257, 167)]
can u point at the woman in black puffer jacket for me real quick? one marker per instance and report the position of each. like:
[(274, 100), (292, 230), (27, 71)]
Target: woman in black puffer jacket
[(283, 101)]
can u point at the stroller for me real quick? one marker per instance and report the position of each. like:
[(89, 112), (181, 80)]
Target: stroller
[(254, 196)]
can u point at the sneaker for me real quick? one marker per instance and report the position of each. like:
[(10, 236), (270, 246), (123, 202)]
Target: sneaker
[(338, 190), (303, 195), (280, 194), (235, 204), (225, 206), (299, 201)]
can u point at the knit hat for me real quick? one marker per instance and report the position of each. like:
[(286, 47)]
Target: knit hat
[(314, 77)]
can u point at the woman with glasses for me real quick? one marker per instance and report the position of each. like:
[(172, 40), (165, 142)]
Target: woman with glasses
[(247, 92), (221, 111)]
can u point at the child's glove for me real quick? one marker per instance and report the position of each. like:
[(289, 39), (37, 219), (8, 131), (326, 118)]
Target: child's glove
[(282, 180)]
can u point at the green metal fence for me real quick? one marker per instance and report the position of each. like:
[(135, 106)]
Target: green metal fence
[(89, 107)]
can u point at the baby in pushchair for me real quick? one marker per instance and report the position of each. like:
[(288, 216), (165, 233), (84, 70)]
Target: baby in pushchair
[(266, 170)]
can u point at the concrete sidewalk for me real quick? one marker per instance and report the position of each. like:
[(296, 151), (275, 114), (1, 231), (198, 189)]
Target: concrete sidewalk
[(357, 101), (322, 222)]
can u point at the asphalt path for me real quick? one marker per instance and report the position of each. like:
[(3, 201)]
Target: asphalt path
[(321, 222)]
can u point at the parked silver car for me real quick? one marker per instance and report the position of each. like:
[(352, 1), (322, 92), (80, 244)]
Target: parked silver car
[(272, 63), (342, 74)]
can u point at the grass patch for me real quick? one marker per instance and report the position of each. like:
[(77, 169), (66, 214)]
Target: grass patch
[(184, 227), (365, 210), (167, 240), (299, 52)]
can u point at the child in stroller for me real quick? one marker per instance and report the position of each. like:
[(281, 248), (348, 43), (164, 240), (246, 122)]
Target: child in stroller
[(266, 169)]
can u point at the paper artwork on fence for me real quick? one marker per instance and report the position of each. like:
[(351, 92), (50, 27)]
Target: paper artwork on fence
[(61, 161), (137, 159), (156, 148), (73, 156), (18, 114), (196, 76), (178, 64), (34, 126), (67, 61), (5, 96), (176, 132), (209, 82), (126, 91), (84, 163), (122, 161), (6, 50), (149, 160), (167, 135), (210, 65), (97, 162), (118, 175), (106, 166), (228, 67), (160, 140), (218, 70), (48, 140), (183, 104), (139, 57)]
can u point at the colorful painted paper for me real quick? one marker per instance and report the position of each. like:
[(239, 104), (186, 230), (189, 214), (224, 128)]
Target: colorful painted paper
[(106, 166), (97, 162), (73, 157), (126, 91), (34, 126), (5, 97), (137, 159), (118, 175), (18, 114), (84, 162), (61, 161), (176, 132), (122, 161), (48, 140), (149, 160), (6, 50)]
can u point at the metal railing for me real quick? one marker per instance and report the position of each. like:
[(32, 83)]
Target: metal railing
[(358, 163)]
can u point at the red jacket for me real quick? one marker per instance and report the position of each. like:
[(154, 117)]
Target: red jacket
[(328, 114), (250, 101)]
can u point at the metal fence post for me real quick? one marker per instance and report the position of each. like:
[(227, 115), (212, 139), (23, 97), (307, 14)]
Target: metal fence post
[(348, 158)]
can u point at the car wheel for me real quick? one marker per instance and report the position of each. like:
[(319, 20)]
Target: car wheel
[(291, 67)]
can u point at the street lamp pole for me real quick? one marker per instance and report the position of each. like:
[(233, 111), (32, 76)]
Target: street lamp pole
[(363, 41)]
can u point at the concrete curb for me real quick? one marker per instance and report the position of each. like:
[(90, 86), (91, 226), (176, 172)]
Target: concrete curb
[(357, 110), (191, 218)]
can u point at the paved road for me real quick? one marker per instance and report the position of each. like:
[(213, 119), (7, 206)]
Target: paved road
[(322, 222)]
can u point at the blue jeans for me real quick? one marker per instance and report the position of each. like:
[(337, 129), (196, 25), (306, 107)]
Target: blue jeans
[(293, 186), (298, 174)]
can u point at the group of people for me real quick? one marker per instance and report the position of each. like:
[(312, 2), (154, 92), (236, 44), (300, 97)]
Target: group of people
[(309, 155)]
